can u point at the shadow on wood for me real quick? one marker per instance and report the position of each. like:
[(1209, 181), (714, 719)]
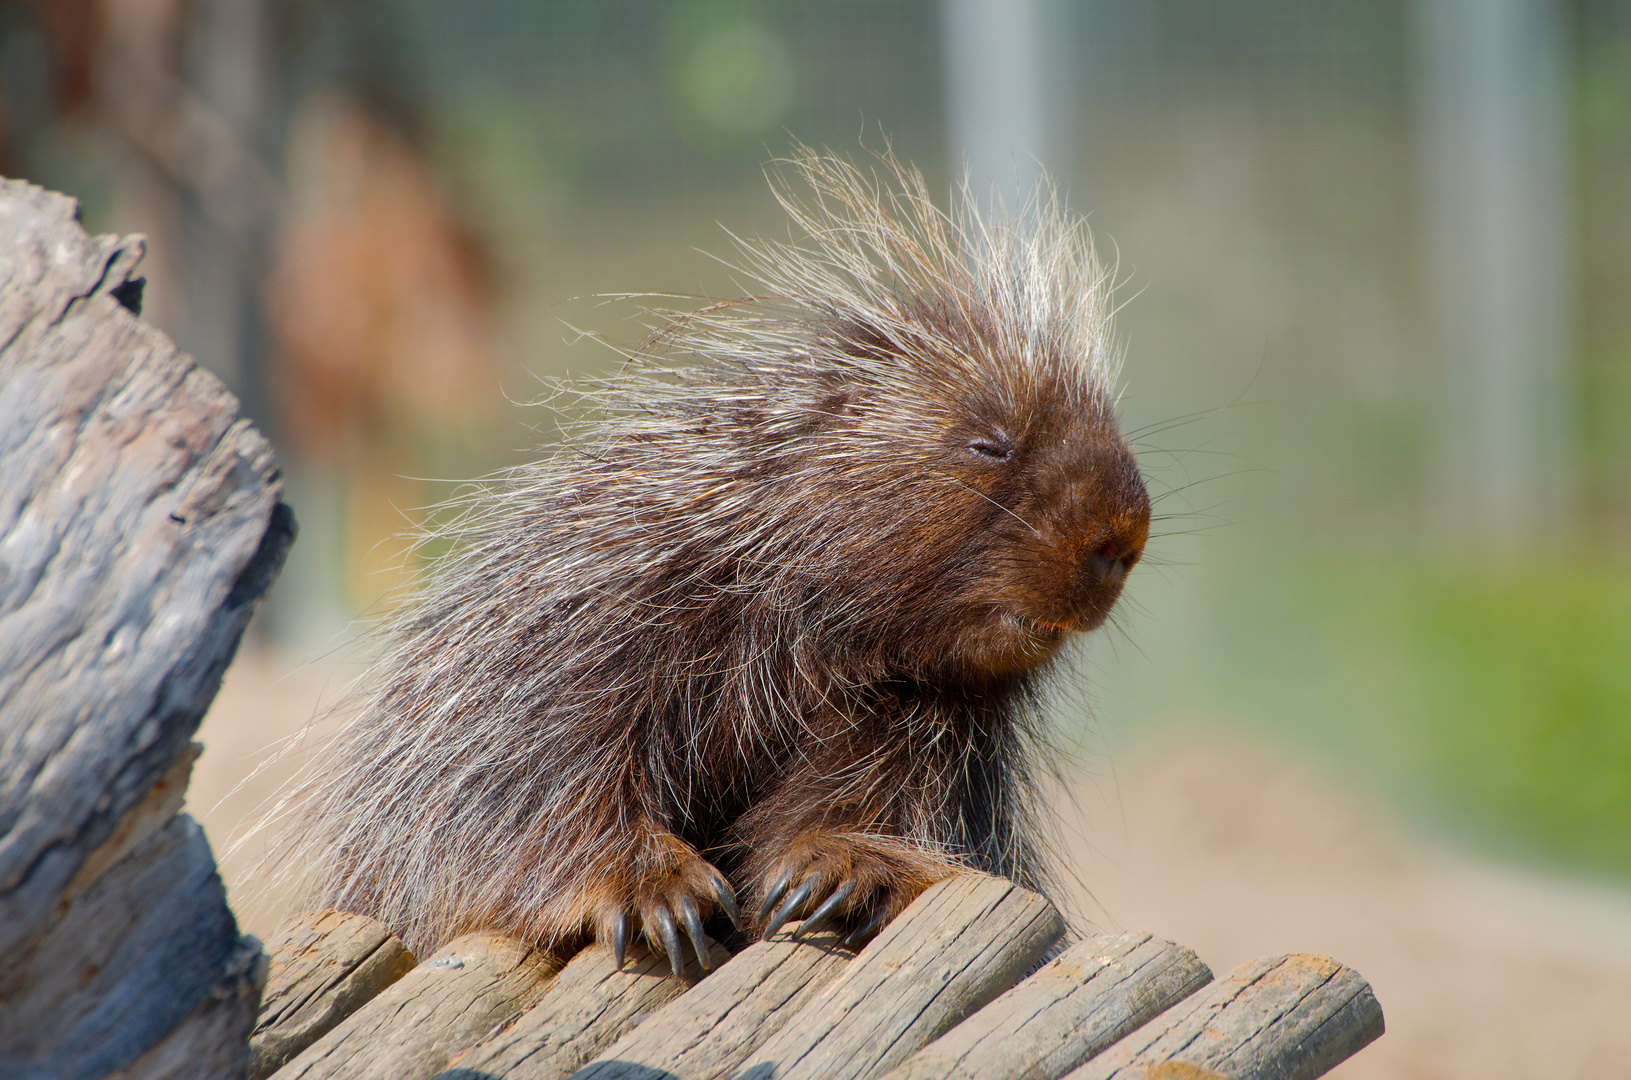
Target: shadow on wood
[(713, 1028), (960, 944), (588, 1006)]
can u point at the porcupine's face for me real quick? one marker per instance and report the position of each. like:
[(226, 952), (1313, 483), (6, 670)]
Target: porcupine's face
[(1058, 515)]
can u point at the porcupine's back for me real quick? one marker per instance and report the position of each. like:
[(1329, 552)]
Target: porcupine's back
[(748, 538)]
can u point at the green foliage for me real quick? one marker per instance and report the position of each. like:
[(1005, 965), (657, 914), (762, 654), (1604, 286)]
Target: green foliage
[(1525, 703), (1496, 696)]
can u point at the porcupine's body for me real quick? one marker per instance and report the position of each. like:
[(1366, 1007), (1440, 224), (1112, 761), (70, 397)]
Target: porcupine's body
[(770, 623)]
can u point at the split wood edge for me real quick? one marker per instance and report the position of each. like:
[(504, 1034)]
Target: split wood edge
[(324, 967), (710, 1030), (1071, 1009), (1282, 1018)]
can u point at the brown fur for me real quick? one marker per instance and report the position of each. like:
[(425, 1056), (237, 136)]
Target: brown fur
[(778, 611)]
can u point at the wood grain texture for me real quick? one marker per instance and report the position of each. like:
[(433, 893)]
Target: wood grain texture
[(712, 1029), (1072, 1008), (584, 1010), (1283, 1018), (144, 948), (138, 527), (472, 988), (959, 945), (140, 522), (158, 807), (324, 967), (209, 1043)]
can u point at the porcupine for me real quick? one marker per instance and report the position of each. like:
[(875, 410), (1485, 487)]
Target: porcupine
[(774, 618)]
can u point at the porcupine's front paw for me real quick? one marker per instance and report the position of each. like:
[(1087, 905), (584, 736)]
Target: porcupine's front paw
[(860, 879), (668, 887)]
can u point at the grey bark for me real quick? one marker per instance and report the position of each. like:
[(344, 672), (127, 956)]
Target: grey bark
[(140, 523)]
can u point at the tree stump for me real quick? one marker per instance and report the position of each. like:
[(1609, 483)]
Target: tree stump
[(140, 523)]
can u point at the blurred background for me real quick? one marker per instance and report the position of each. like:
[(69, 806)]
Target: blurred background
[(1370, 693)]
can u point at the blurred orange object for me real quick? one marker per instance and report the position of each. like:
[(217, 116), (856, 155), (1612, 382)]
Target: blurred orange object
[(380, 297), (380, 302)]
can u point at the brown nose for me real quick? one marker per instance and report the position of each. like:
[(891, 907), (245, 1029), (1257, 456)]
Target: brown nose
[(1109, 562)]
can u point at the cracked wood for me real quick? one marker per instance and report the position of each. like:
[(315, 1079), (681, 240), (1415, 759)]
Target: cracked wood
[(140, 523), (588, 1006), (1282, 1018), (960, 944), (474, 986), (325, 966), (714, 1027), (1075, 1006)]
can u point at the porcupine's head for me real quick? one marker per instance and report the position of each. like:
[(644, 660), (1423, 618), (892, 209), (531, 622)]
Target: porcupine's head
[(919, 407)]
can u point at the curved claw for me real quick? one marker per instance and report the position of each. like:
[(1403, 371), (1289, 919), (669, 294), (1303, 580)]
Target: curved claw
[(725, 897), (774, 895), (693, 930), (620, 938), (793, 902), (671, 939), (830, 905), (861, 933)]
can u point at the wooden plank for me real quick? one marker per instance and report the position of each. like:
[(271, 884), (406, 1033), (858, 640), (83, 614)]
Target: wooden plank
[(712, 1029), (960, 944), (584, 1010), (1075, 1006), (1284, 1018), (325, 966), (140, 522), (473, 987)]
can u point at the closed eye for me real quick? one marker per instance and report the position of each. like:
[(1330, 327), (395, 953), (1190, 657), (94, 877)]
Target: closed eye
[(995, 449)]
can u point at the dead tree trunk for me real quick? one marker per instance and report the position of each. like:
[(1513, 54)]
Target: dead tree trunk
[(140, 523)]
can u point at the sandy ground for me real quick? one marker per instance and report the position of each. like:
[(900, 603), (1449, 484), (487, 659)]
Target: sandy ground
[(1482, 970)]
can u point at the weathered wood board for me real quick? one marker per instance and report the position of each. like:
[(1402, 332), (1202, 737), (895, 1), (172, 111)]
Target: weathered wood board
[(472, 988), (1129, 1005), (584, 1009), (325, 967), (140, 522), (1283, 1018), (715, 1026), (959, 945), (1075, 1006)]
